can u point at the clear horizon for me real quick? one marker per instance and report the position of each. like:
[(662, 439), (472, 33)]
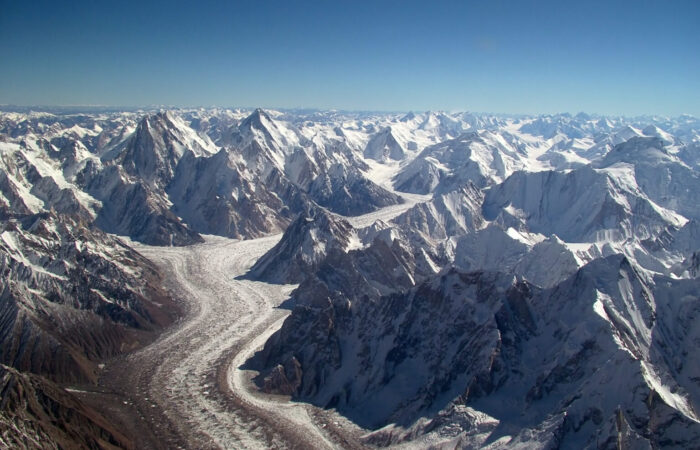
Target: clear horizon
[(609, 58), (78, 109)]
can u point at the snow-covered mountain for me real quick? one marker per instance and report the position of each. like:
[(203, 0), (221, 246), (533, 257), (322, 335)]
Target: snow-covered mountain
[(582, 205), (579, 271), (660, 175), (481, 157), (455, 213), (306, 242), (576, 364), (384, 146), (529, 281)]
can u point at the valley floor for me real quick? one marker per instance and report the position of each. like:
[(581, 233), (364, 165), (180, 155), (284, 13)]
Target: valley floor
[(187, 389)]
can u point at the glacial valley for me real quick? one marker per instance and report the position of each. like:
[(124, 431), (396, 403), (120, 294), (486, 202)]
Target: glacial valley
[(231, 278)]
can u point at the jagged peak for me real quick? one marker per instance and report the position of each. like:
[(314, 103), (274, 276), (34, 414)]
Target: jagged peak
[(605, 272), (162, 118), (256, 119), (408, 117), (638, 142), (387, 131), (280, 137), (304, 244), (324, 221), (653, 130), (384, 145)]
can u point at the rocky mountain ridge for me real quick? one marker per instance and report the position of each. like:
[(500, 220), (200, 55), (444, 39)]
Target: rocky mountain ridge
[(541, 292)]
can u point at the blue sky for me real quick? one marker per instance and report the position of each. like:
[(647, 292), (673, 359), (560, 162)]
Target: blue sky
[(611, 57)]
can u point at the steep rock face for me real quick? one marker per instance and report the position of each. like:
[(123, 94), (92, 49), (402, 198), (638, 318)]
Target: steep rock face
[(689, 267), (346, 191), (675, 248), (690, 154), (304, 245), (384, 146), (609, 320), (131, 183), (37, 414), (578, 206), (241, 191), (438, 162), (12, 202), (132, 176), (131, 180), (452, 228), (559, 356), (62, 200), (660, 175), (480, 158), (416, 362), (303, 166), (29, 183), (422, 176), (608, 351), (453, 214), (263, 142), (545, 263), (158, 143), (72, 181), (323, 300), (255, 186), (685, 239), (72, 297), (332, 178), (133, 209), (219, 195)]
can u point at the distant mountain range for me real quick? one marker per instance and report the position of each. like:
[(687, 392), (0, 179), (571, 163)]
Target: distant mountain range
[(539, 290)]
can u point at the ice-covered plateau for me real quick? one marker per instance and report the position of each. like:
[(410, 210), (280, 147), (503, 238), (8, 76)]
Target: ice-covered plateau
[(224, 278)]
